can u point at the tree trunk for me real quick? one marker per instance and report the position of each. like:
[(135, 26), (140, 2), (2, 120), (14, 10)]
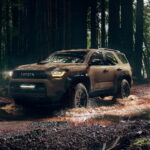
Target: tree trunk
[(103, 30), (78, 24), (1, 56), (94, 26), (114, 24), (127, 28), (146, 57), (8, 33), (15, 37), (139, 39), (68, 15)]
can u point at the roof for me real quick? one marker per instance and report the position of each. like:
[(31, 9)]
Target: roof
[(101, 49)]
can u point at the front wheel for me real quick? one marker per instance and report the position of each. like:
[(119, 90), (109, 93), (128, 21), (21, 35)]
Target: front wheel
[(123, 89), (79, 96)]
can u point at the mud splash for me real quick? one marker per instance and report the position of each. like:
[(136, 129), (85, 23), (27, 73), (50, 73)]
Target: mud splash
[(43, 129), (104, 114), (100, 111), (12, 112)]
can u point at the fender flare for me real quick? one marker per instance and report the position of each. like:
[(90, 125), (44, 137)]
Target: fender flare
[(79, 79)]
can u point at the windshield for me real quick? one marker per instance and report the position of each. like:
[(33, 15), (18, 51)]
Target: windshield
[(66, 57)]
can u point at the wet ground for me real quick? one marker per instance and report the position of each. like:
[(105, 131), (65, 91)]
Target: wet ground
[(105, 125), (100, 111)]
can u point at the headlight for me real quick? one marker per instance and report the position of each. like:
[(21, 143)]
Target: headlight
[(7, 74), (58, 73), (10, 73)]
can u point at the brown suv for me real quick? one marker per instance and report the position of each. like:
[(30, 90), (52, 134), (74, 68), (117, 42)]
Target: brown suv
[(71, 76)]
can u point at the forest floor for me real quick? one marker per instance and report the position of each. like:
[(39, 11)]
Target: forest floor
[(104, 125)]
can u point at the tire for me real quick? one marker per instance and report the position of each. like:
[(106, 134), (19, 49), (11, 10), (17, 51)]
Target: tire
[(123, 89), (79, 96)]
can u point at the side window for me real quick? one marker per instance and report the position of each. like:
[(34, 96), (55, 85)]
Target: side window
[(110, 59), (96, 59), (123, 58)]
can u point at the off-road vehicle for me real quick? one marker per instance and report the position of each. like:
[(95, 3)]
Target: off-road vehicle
[(71, 76)]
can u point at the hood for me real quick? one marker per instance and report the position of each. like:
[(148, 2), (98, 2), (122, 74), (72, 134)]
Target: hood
[(50, 66)]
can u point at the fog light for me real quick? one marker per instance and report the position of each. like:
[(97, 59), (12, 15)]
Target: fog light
[(27, 86)]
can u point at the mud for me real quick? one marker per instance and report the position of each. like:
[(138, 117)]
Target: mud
[(100, 111), (56, 135), (105, 124)]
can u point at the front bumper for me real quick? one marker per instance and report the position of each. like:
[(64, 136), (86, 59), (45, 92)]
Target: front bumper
[(38, 90)]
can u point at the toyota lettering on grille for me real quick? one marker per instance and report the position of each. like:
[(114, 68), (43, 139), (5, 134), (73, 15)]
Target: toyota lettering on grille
[(27, 74)]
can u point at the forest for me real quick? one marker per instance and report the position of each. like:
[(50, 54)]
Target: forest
[(32, 29)]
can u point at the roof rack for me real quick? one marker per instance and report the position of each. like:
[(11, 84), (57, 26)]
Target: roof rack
[(108, 49)]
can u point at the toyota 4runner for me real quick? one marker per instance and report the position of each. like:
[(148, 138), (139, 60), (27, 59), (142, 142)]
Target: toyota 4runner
[(71, 76)]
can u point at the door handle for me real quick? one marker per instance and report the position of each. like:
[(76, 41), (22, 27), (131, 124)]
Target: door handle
[(105, 70), (119, 69)]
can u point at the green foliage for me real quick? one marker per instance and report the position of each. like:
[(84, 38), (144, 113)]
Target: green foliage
[(141, 142)]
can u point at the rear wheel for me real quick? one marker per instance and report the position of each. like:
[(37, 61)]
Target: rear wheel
[(123, 89), (79, 96)]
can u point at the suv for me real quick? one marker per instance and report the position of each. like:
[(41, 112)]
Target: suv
[(71, 76)]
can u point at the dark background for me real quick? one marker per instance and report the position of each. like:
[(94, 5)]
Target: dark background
[(32, 29)]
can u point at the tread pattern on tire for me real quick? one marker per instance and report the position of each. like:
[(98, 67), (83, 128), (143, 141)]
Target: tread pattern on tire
[(119, 94), (79, 85)]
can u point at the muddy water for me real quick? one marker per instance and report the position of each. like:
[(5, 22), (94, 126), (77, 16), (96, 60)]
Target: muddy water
[(100, 111)]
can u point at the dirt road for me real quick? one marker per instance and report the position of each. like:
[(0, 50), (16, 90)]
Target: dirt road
[(105, 124), (100, 111)]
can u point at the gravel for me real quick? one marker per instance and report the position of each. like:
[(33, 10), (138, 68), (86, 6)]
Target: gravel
[(61, 136)]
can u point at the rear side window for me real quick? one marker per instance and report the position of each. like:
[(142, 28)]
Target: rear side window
[(123, 58), (97, 58), (110, 59)]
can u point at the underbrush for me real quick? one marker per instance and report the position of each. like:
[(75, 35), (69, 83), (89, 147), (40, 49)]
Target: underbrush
[(4, 81)]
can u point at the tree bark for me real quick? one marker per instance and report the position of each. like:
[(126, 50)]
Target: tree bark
[(139, 38), (1, 36), (146, 56), (103, 30), (94, 26), (127, 28), (114, 24), (78, 24)]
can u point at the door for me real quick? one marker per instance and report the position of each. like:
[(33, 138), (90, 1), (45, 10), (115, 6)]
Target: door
[(102, 73)]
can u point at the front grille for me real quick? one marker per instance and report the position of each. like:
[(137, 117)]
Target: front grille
[(25, 74)]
